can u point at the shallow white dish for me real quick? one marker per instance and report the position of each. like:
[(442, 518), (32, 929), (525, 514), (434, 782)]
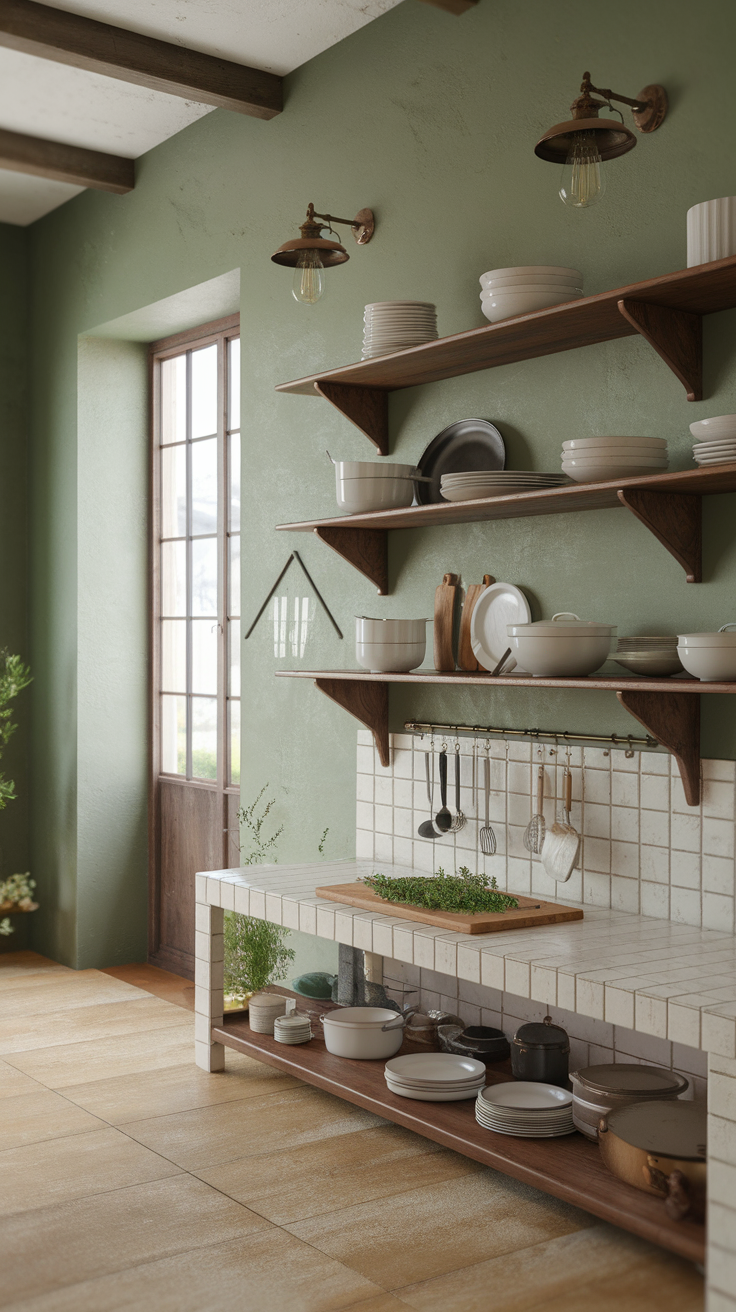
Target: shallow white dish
[(533, 270), (726, 459), (563, 647), (655, 664), (715, 447), (598, 444), (498, 606), (473, 1082), (604, 458), (477, 494), (509, 305), (527, 1094), (425, 1095), (440, 1066), (381, 305), (603, 473), (717, 426)]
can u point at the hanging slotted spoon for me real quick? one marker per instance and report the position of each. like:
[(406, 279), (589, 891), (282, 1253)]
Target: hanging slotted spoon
[(486, 835), (535, 830), (562, 842)]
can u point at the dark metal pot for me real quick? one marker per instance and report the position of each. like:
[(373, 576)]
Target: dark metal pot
[(480, 1041), (660, 1147), (540, 1052)]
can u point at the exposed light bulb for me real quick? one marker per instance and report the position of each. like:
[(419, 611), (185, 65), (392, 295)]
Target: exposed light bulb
[(583, 182), (309, 278)]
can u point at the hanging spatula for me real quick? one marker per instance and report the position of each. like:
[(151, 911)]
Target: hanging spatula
[(562, 841)]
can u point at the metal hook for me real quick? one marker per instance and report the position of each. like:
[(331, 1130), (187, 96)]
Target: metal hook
[(630, 752)]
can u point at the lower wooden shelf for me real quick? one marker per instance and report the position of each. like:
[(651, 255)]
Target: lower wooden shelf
[(570, 1168)]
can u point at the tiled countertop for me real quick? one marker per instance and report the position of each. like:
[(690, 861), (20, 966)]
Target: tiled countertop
[(655, 976)]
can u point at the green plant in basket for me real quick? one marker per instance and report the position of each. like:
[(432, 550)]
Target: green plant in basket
[(462, 891)]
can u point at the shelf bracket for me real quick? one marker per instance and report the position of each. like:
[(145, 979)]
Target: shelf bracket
[(675, 519), (676, 335), (366, 549), (366, 407), (368, 702), (673, 718)]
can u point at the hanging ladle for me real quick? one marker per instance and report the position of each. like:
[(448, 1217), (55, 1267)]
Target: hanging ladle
[(426, 828), (443, 818)]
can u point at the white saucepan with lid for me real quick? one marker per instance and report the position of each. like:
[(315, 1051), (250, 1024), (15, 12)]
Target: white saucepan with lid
[(564, 646)]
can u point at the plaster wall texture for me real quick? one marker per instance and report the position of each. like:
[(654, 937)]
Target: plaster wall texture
[(442, 149)]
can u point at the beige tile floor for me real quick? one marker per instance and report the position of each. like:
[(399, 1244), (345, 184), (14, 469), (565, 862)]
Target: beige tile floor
[(132, 1180)]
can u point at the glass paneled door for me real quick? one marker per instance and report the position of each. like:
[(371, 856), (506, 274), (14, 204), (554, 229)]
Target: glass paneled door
[(195, 627)]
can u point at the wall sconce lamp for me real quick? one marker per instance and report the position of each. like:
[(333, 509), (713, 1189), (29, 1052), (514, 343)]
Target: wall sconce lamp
[(310, 254), (582, 144)]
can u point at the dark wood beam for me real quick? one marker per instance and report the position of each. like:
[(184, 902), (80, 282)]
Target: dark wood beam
[(37, 29), (453, 6), (53, 159)]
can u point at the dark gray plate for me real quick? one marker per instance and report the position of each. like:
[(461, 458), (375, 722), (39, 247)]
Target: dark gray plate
[(469, 444)]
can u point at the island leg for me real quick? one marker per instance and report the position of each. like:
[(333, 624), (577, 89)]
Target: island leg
[(208, 980)]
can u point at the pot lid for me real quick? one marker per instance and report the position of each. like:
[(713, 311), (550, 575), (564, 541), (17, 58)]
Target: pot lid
[(630, 1078), (564, 623), (544, 1035), (667, 1128)]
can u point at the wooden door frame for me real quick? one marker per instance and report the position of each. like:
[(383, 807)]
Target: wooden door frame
[(221, 329)]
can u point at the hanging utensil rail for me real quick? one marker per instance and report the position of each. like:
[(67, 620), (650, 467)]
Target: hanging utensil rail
[(647, 744)]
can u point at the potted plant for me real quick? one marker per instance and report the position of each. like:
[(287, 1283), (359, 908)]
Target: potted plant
[(16, 891)]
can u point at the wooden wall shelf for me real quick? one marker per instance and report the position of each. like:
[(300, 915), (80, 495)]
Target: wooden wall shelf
[(669, 505), (667, 312), (669, 709), (569, 1168)]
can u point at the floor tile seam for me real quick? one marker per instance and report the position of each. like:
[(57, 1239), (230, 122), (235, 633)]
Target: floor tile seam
[(432, 1146), (55, 1047), (276, 1093), (66, 1009)]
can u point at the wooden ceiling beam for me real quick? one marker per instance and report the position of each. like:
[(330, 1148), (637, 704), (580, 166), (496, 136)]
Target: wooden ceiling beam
[(37, 29), (54, 159)]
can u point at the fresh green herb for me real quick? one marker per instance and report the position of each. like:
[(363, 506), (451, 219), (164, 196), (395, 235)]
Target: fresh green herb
[(253, 824), (462, 891), (14, 677), (321, 847), (255, 954)]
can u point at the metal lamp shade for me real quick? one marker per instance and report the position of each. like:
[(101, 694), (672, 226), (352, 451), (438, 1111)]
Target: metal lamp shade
[(612, 138), (330, 252)]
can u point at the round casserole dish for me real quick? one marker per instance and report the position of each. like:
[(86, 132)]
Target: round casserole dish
[(563, 647), (363, 1033)]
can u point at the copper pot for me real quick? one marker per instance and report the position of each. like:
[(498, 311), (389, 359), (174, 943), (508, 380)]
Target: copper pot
[(660, 1148)]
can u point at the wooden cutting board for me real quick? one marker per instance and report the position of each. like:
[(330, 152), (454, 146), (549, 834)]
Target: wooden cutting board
[(530, 911), (465, 658), (444, 619)]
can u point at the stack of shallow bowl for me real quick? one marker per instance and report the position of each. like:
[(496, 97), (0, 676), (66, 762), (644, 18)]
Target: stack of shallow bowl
[(435, 1076), (396, 325), (652, 655), (473, 485), (527, 287), (603, 459), (525, 1109), (715, 441)]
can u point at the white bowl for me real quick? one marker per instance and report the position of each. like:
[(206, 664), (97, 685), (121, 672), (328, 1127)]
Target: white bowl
[(597, 445), (390, 657), (635, 461), (507, 305), (363, 1037), (369, 630), (561, 647), (356, 495), (526, 271), (563, 290), (718, 426), (709, 664), (655, 664), (520, 284), (607, 473), (725, 637)]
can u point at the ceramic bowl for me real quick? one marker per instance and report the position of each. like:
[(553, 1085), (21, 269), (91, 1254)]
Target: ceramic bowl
[(562, 290), (597, 445), (561, 648), (718, 426), (654, 664), (508, 304), (361, 495), (390, 657), (526, 272), (601, 472), (389, 631), (709, 656)]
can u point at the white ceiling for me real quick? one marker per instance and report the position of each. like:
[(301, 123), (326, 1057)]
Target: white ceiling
[(45, 99)]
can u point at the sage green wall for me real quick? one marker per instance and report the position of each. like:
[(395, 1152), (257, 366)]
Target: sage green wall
[(431, 120), (14, 855)]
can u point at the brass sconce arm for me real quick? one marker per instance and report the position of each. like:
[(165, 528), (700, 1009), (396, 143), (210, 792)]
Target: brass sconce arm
[(649, 109), (363, 225), (638, 105)]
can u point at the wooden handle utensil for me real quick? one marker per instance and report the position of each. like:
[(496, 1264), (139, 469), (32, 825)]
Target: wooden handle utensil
[(444, 618)]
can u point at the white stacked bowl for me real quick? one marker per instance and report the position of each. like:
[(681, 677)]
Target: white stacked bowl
[(527, 287), (600, 459), (365, 485), (715, 441), (397, 325), (390, 646), (709, 657)]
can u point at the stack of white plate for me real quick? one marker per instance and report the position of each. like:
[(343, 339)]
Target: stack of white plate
[(715, 441), (525, 1110), (435, 1076), (396, 325), (527, 287), (473, 485), (292, 1029), (600, 459), (655, 655)]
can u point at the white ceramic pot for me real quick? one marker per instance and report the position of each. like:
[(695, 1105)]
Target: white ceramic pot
[(711, 231), (709, 656), (361, 495), (508, 304), (563, 647), (390, 657), (392, 631), (363, 1033)]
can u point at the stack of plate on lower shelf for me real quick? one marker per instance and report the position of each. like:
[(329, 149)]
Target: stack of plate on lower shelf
[(601, 459), (292, 1029), (435, 1076), (655, 655), (396, 325), (473, 485), (525, 1110), (715, 441)]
